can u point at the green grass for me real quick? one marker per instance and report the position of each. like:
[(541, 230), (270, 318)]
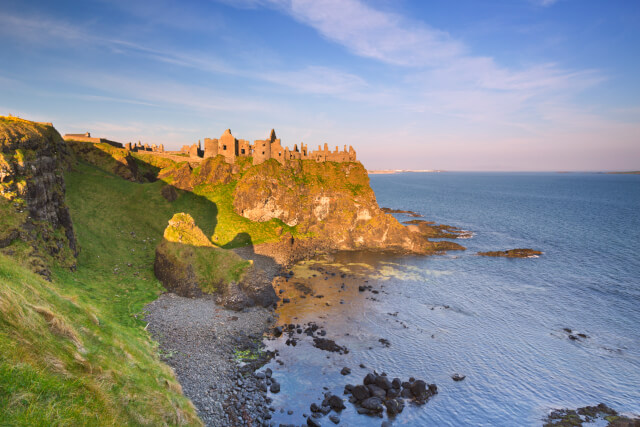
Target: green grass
[(66, 359), (233, 230), (74, 351)]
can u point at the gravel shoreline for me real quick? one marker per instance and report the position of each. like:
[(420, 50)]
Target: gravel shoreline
[(202, 342)]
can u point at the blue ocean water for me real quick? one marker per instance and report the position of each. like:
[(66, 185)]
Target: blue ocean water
[(498, 321)]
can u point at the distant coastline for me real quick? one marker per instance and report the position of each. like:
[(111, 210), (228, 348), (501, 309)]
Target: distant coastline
[(391, 171), (624, 173)]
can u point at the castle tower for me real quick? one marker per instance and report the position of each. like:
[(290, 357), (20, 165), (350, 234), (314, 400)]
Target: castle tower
[(193, 151), (210, 147), (261, 151), (227, 146), (277, 152)]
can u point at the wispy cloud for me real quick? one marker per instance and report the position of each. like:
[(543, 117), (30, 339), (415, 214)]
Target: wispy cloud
[(41, 30), (315, 79), (442, 72), (372, 33)]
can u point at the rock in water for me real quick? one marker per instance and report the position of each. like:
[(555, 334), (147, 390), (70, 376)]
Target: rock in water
[(336, 403), (513, 253), (372, 404), (360, 392)]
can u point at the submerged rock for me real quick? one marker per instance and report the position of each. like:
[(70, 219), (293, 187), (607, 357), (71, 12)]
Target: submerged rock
[(513, 253), (589, 414), (329, 345)]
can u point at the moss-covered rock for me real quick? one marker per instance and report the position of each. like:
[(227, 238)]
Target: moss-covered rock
[(211, 171), (188, 264), (109, 158), (592, 415), (35, 226), (331, 201)]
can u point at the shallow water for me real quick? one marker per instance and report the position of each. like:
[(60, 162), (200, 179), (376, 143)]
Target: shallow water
[(498, 321)]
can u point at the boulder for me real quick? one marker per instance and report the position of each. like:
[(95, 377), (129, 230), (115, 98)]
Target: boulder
[(372, 404), (361, 392), (376, 391), (336, 403), (383, 382)]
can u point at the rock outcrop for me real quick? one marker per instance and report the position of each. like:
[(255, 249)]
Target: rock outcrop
[(112, 159), (513, 253), (331, 201), (33, 157), (188, 264), (212, 171)]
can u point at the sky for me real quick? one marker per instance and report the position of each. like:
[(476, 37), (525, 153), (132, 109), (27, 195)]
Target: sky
[(492, 85)]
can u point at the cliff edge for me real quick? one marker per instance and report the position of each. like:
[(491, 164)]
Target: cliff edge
[(35, 224), (330, 202)]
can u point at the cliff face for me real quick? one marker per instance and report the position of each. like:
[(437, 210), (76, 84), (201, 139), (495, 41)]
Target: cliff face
[(33, 157), (332, 201)]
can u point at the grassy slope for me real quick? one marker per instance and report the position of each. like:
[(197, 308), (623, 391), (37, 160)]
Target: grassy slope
[(74, 351)]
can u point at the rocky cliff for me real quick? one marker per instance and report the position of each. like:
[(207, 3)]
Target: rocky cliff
[(332, 202), (35, 223)]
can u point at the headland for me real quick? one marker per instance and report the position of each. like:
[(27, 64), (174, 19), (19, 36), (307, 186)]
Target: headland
[(95, 230)]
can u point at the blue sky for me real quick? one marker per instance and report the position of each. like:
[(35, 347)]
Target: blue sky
[(455, 85)]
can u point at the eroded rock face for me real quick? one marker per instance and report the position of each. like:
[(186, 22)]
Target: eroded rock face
[(174, 273), (213, 170), (33, 157), (331, 200), (254, 289)]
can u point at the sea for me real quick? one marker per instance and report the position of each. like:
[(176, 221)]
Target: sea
[(502, 323)]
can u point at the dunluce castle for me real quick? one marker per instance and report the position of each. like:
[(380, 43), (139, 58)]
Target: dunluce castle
[(261, 150), (231, 148)]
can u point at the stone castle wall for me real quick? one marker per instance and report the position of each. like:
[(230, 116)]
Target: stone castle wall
[(86, 137), (231, 148), (210, 147), (271, 148)]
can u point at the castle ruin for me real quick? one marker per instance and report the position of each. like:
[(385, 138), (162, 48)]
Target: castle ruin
[(262, 150), (86, 137), (232, 148)]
